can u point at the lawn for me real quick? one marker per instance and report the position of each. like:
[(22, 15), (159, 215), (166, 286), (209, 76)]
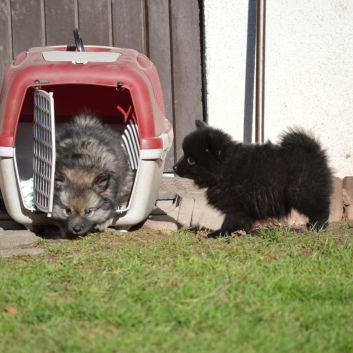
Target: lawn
[(278, 291)]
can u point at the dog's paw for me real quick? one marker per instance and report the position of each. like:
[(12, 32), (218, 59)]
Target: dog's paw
[(212, 236), (215, 234), (103, 226), (219, 233)]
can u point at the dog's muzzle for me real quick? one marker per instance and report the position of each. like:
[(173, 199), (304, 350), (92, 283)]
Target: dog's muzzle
[(176, 165)]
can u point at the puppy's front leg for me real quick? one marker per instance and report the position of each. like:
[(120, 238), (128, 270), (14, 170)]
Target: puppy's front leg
[(103, 226), (232, 222)]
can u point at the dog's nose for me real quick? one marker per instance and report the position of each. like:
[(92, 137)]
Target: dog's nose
[(175, 168), (76, 229)]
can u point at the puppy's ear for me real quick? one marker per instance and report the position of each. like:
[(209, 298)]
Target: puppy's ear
[(200, 124), (60, 182), (214, 145), (101, 183)]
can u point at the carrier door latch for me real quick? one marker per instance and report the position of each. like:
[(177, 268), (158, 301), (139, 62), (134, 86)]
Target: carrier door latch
[(41, 82), (120, 210), (120, 86)]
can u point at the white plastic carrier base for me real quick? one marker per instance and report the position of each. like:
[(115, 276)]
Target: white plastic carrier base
[(142, 200), (34, 155)]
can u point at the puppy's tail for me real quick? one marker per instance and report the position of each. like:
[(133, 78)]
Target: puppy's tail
[(87, 119), (295, 138)]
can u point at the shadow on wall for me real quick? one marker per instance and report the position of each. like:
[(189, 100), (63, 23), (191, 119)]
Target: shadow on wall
[(250, 72)]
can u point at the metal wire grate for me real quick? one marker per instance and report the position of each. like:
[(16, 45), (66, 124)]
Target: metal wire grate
[(131, 144), (44, 151)]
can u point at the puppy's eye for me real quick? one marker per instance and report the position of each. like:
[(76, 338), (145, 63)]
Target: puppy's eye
[(191, 161), (88, 213), (67, 212)]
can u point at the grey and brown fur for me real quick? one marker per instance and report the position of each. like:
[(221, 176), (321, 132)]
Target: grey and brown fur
[(250, 183), (92, 175)]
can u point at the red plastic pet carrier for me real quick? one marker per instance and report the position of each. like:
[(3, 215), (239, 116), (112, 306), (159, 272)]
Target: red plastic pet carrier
[(120, 85)]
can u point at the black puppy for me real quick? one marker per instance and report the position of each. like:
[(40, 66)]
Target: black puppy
[(250, 182)]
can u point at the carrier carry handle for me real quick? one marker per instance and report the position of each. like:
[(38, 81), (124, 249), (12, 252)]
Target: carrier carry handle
[(78, 40)]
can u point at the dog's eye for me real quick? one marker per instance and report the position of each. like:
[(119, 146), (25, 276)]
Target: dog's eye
[(88, 213), (68, 212), (191, 161)]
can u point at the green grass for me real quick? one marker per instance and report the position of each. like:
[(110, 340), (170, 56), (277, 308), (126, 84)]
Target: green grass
[(280, 291)]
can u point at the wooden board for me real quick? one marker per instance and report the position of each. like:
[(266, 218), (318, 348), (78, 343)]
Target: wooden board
[(165, 30), (5, 49), (26, 24), (95, 22), (186, 68), (129, 18), (160, 55), (59, 22)]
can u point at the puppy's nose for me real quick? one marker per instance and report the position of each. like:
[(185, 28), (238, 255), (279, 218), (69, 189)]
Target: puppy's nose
[(76, 229), (175, 168)]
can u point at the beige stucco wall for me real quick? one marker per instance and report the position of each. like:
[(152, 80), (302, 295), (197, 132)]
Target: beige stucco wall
[(309, 70)]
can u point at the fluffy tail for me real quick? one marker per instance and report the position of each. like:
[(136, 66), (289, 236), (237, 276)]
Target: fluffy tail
[(87, 119), (299, 138)]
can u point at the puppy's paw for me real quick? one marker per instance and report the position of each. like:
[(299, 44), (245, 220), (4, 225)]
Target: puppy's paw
[(213, 235), (63, 231), (103, 226), (217, 233)]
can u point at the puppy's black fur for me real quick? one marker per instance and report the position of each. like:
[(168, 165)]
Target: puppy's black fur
[(250, 182)]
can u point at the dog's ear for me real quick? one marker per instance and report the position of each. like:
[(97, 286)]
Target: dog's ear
[(60, 182), (200, 124), (101, 183), (214, 145)]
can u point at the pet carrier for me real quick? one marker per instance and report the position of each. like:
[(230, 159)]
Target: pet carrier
[(119, 85)]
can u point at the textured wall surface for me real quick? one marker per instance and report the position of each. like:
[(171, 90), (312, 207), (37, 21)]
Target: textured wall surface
[(226, 38), (309, 71)]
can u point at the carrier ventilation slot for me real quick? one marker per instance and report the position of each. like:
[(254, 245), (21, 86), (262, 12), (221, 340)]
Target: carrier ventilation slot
[(44, 151), (131, 144)]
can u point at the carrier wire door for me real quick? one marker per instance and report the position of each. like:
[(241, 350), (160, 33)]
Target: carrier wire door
[(44, 151)]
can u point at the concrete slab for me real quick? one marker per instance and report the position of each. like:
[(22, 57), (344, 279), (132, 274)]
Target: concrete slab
[(17, 252), (157, 212), (336, 202), (174, 214), (166, 196), (210, 218), (165, 204), (199, 206), (179, 186), (173, 206), (160, 222), (16, 238), (348, 187), (185, 210)]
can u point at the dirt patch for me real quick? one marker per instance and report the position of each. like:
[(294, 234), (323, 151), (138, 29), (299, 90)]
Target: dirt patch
[(53, 234), (139, 235), (341, 228)]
